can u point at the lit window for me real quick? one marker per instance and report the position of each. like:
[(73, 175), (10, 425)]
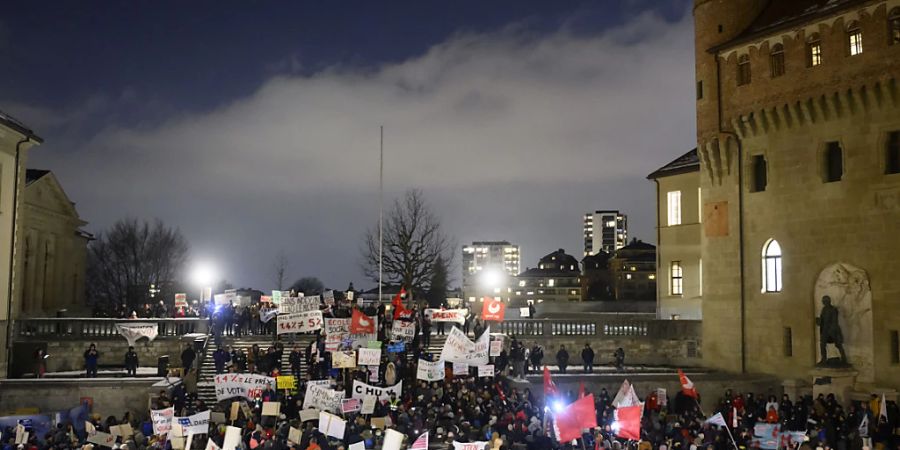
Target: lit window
[(677, 277), (652, 276), (521, 283), (551, 282), (892, 156), (700, 277), (633, 268), (743, 74), (776, 60), (894, 24), (814, 51), (771, 266), (674, 207), (627, 276), (699, 205), (854, 39)]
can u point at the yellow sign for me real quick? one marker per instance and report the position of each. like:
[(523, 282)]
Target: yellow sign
[(286, 382)]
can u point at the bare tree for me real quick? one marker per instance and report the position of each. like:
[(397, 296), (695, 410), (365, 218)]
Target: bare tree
[(132, 256), (413, 243), (279, 267)]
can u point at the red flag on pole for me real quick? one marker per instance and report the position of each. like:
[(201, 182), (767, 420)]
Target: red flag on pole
[(687, 386), (581, 389), (577, 416), (493, 310), (549, 385), (400, 310), (361, 323), (628, 422)]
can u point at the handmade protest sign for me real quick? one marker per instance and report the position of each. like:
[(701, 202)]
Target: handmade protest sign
[(524, 312), (345, 359), (323, 399), (181, 301), (349, 405), (211, 445), (244, 385), (271, 408), (361, 390), (486, 371), (195, 424), (459, 349), (328, 297), (295, 435), (369, 357), (430, 371), (22, 435), (298, 304), (309, 414), (217, 417), (496, 347), (403, 331), (396, 348), (460, 369), (99, 438), (134, 331), (477, 445), (338, 331), (286, 382), (368, 404), (162, 419), (232, 438), (123, 430), (301, 322), (393, 440), (446, 315), (332, 425)]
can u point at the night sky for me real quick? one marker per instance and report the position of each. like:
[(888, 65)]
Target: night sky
[(253, 126)]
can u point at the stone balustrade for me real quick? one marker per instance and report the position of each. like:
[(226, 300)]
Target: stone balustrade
[(98, 329), (611, 326)]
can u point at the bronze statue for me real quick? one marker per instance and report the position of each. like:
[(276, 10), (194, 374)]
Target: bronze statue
[(830, 331)]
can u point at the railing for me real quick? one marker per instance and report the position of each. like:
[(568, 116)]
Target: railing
[(603, 327), (101, 328)]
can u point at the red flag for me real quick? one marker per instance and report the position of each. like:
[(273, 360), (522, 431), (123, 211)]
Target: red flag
[(400, 310), (493, 310), (549, 385), (628, 420), (581, 389), (421, 443), (361, 323), (687, 386), (577, 416)]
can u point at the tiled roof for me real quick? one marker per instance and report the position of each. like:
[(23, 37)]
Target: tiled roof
[(11, 122), (32, 175), (688, 162)]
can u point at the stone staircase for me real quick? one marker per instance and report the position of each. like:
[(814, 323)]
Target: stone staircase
[(206, 390)]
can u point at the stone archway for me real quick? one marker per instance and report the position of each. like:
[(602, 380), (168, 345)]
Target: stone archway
[(848, 287)]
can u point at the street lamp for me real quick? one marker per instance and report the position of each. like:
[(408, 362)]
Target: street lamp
[(203, 276), (493, 279)]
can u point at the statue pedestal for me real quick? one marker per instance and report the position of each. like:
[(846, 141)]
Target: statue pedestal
[(837, 381)]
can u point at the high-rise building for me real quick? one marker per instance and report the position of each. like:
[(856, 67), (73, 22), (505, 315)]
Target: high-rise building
[(487, 267), (606, 231)]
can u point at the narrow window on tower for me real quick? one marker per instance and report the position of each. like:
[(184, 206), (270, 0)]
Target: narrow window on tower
[(743, 70), (700, 90), (892, 153), (674, 207), (788, 342), (854, 39), (894, 26), (771, 267), (776, 60), (834, 162), (760, 174), (676, 277), (814, 51)]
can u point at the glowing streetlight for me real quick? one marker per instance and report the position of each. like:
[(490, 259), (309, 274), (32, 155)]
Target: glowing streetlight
[(492, 280), (203, 276)]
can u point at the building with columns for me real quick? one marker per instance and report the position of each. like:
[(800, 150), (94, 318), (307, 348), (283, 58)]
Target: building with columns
[(798, 134), (51, 266), (16, 140)]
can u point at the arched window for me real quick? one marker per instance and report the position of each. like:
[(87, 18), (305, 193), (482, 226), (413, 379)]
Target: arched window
[(813, 50), (854, 39), (771, 265), (776, 60), (894, 26), (743, 74)]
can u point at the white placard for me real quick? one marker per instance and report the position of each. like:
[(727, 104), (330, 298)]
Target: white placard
[(368, 404), (292, 305), (369, 357), (301, 322), (446, 315), (361, 390), (402, 330), (323, 399), (232, 438), (162, 420), (332, 425), (524, 312), (309, 414), (460, 369), (99, 438), (392, 440), (430, 371), (136, 330), (486, 371), (245, 385), (496, 347), (196, 424), (478, 445), (458, 348)]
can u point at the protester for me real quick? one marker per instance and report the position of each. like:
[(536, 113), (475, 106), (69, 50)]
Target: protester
[(562, 358), (91, 359), (587, 358), (131, 362), (187, 357)]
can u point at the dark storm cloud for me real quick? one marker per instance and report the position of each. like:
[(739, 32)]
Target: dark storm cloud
[(511, 135)]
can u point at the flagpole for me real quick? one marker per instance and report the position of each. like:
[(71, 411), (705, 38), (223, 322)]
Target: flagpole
[(732, 437), (380, 214)]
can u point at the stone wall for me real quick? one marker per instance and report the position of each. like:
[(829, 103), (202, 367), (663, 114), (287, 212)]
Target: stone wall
[(67, 355), (109, 396), (638, 350)]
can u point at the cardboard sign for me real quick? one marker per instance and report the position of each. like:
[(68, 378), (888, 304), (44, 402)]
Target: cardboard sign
[(295, 436), (486, 371), (99, 438), (379, 422), (301, 322), (286, 382), (123, 430), (271, 408), (361, 390), (349, 405), (246, 385), (403, 331), (309, 414), (332, 425), (496, 347), (369, 357), (162, 420), (368, 404), (345, 359), (430, 371), (460, 369)]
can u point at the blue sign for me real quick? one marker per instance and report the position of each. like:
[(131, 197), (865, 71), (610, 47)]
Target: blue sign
[(396, 348)]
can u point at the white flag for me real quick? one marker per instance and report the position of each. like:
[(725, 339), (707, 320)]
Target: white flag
[(717, 420)]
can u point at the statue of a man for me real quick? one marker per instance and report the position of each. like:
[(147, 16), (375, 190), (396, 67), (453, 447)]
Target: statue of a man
[(830, 330)]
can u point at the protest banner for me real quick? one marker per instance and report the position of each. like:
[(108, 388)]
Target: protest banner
[(99, 438), (332, 425), (368, 357), (460, 369), (181, 301), (298, 304), (267, 314), (396, 348), (486, 371), (133, 331), (244, 385), (322, 398), (226, 298), (496, 347), (232, 438), (477, 445), (338, 331), (286, 382), (301, 322), (162, 419), (459, 349), (349, 405), (368, 404), (195, 424), (309, 414), (361, 323), (446, 315), (271, 408), (403, 331), (345, 359), (430, 371), (361, 390)]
